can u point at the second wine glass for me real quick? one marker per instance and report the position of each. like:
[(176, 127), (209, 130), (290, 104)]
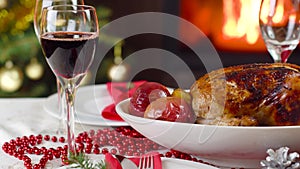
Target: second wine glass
[(279, 24), (69, 37)]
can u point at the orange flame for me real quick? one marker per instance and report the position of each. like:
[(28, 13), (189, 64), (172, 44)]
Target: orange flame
[(234, 27), (277, 13), (241, 23)]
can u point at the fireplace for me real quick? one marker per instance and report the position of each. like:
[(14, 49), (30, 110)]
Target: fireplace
[(233, 28), (232, 25)]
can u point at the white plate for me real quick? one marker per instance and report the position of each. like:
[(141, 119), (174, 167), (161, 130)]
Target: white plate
[(90, 101), (226, 146), (172, 163)]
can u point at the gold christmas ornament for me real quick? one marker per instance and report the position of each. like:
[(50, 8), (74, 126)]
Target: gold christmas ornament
[(34, 70), (11, 77), (3, 4), (119, 70)]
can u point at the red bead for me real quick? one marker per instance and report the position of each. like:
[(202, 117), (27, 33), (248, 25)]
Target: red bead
[(104, 151), (168, 154), (59, 149), (62, 139), (12, 142), (136, 154), (92, 132), (50, 155), (29, 150), (47, 137), (35, 150), (39, 136), (89, 145), (39, 141), (15, 154), (43, 161), (32, 142), (32, 137), (78, 140), (44, 150), (89, 140), (64, 159), (129, 153), (96, 151), (36, 166), (113, 151), (57, 154), (54, 138), (20, 156), (88, 150), (28, 166), (182, 156), (80, 146)]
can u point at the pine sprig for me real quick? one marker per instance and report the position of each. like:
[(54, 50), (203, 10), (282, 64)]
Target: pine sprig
[(81, 160)]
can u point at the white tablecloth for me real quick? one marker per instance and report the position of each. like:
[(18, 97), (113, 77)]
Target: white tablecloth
[(23, 117)]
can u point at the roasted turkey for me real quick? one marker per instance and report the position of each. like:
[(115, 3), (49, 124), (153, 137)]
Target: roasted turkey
[(265, 94)]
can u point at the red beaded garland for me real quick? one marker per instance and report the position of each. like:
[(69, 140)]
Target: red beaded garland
[(125, 140)]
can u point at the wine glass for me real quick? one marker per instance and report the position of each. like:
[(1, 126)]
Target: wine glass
[(69, 36), (39, 5), (279, 24)]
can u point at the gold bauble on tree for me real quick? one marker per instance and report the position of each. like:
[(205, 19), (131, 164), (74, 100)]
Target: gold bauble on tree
[(11, 77), (3, 3), (34, 70), (118, 71)]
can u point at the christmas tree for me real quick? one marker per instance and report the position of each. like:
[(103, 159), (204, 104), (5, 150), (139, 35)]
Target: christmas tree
[(23, 69)]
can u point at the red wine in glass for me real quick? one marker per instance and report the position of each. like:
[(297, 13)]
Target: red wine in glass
[(69, 54)]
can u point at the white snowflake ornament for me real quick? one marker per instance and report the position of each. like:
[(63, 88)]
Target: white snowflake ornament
[(280, 159)]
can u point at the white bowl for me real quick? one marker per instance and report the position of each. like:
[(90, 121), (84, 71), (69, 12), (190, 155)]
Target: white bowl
[(226, 146)]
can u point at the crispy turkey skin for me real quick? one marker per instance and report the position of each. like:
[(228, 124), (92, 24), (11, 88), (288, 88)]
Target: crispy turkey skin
[(264, 94)]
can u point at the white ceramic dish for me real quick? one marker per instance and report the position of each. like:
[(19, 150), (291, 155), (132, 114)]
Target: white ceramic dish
[(90, 101), (226, 146), (172, 163)]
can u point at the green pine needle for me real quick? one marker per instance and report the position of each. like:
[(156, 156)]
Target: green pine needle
[(80, 160)]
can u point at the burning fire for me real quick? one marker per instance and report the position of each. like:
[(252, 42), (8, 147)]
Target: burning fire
[(278, 13), (241, 20), (231, 24)]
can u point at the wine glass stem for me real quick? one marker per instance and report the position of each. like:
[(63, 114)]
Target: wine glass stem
[(61, 106), (70, 90)]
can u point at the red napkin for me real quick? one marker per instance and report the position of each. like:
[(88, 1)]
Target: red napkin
[(118, 91), (111, 162)]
